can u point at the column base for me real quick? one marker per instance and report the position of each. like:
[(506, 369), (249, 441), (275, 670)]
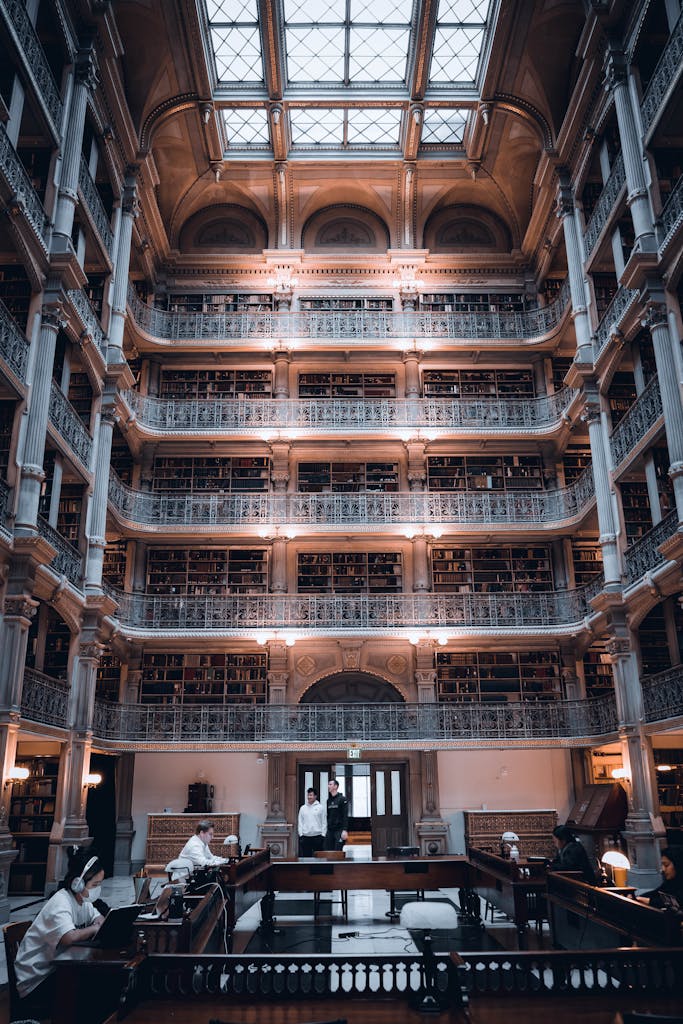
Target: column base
[(7, 856), (278, 836), (432, 837), (642, 835)]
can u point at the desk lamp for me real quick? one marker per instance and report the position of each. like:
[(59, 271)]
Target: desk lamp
[(233, 840), (508, 845), (619, 865)]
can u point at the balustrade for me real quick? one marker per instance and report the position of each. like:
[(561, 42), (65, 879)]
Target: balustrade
[(19, 25), (348, 329), (663, 695), (24, 194), (481, 414), (44, 699), (604, 206), (664, 78), (13, 344), (69, 425), (89, 319), (68, 561), (363, 509), (93, 201), (644, 555), (634, 426), (672, 215), (613, 317), (5, 491)]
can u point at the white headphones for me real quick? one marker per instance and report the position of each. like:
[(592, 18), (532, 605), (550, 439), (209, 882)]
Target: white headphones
[(78, 884)]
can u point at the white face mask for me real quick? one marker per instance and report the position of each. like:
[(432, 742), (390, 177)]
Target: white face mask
[(92, 894)]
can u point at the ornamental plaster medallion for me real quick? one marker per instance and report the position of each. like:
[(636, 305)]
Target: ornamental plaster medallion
[(396, 664), (306, 665)]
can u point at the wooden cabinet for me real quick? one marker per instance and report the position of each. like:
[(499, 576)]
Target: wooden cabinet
[(31, 814), (168, 833), (483, 830), (342, 572)]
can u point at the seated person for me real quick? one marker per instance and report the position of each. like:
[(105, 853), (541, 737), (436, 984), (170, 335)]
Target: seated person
[(571, 855), (669, 895), (196, 849), (68, 917)]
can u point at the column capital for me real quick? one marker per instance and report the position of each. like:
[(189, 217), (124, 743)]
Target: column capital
[(615, 67), (90, 650), (592, 412), (19, 606), (655, 312), (564, 206), (618, 648), (85, 66)]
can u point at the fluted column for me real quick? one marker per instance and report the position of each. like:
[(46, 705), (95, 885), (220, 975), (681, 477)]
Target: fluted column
[(567, 214), (417, 465), (281, 361), (32, 472), (411, 361), (606, 521), (656, 321), (120, 289), (420, 564), (125, 830), (616, 78), (85, 80), (97, 540), (278, 572)]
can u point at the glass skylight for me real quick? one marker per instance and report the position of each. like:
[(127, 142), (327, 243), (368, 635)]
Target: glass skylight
[(235, 40), (246, 126), (458, 41), (342, 127), (443, 126)]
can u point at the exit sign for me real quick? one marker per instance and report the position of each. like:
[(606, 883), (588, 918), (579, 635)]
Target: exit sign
[(353, 754)]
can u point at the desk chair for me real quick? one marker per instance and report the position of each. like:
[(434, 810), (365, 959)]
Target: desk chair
[(13, 934)]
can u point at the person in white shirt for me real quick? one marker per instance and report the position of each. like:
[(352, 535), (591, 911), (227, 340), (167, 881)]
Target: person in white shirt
[(196, 849), (68, 917), (312, 825)]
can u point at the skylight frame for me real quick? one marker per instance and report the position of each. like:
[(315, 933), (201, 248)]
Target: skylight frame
[(347, 123)]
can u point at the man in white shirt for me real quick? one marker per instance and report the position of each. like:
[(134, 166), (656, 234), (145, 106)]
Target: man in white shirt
[(196, 849), (312, 825)]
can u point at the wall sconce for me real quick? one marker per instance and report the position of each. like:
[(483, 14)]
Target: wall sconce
[(621, 773), (665, 767), (92, 779), (619, 865), (262, 758), (16, 774)]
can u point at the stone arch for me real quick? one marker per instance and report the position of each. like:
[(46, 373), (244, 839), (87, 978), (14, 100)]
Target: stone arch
[(221, 227), (352, 688), (466, 228), (345, 228)]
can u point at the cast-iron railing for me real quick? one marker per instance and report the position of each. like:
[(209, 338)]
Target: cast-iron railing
[(604, 206), (44, 699), (613, 317), (24, 194), (20, 25), (68, 561), (93, 201), (636, 423), (663, 695), (672, 215), (89, 319), (70, 426), (5, 491), (664, 78), (13, 344), (644, 554)]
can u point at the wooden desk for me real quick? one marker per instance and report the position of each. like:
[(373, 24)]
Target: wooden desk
[(244, 882), (585, 917), (515, 887)]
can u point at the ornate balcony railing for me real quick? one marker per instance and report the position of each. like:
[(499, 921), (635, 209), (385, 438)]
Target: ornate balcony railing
[(98, 214), (664, 78), (68, 561), (35, 62), (44, 699), (89, 319), (644, 555), (348, 329), (663, 695), (204, 510), (5, 491), (70, 426), (332, 614), (22, 188), (672, 215), (332, 414), (639, 419), (604, 205), (613, 317), (13, 344), (291, 725)]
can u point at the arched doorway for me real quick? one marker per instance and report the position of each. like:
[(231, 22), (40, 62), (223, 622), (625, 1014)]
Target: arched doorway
[(376, 786)]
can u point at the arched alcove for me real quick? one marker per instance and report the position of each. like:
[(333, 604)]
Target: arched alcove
[(345, 228), (224, 227), (466, 228), (352, 688)]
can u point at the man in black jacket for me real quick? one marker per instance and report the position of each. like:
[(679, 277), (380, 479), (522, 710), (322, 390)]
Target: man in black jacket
[(571, 855), (337, 817)]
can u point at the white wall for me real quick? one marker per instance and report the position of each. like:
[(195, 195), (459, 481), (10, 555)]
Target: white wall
[(161, 781), (476, 780)]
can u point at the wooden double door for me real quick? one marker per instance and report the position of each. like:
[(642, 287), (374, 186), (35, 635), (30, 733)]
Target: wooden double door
[(377, 793)]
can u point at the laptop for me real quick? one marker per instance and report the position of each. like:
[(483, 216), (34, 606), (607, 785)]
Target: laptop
[(117, 928)]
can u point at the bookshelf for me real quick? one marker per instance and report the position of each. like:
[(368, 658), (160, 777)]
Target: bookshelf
[(497, 676), (491, 570), (346, 304), (317, 477), (121, 458), (654, 643), (347, 385), (94, 289), (590, 194), (477, 473), (57, 644), (80, 395), (670, 785), (217, 384), (472, 302), (6, 425), (31, 815), (15, 293), (604, 288), (114, 563), (108, 684), (587, 561), (36, 161), (575, 460), (635, 503), (69, 514), (560, 368), (224, 677), (478, 383), (219, 473), (552, 286), (215, 302), (621, 396), (597, 670), (349, 571), (202, 571)]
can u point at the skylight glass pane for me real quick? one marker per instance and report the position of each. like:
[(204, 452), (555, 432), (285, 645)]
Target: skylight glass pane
[(317, 126), (458, 11), (235, 40), (246, 126), (373, 127), (315, 54), (378, 54), (456, 54), (441, 126), (231, 11)]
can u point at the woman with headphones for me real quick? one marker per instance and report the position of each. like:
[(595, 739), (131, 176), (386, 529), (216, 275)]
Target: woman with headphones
[(68, 917)]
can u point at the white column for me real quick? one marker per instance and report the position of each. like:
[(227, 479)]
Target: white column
[(67, 197), (608, 532), (120, 287), (566, 213), (98, 508), (657, 322)]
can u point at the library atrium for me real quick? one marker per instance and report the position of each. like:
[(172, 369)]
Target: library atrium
[(341, 424)]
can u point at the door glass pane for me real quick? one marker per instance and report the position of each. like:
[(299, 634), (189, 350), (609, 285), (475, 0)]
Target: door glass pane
[(361, 796), (308, 782), (324, 779), (395, 792), (379, 793)]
